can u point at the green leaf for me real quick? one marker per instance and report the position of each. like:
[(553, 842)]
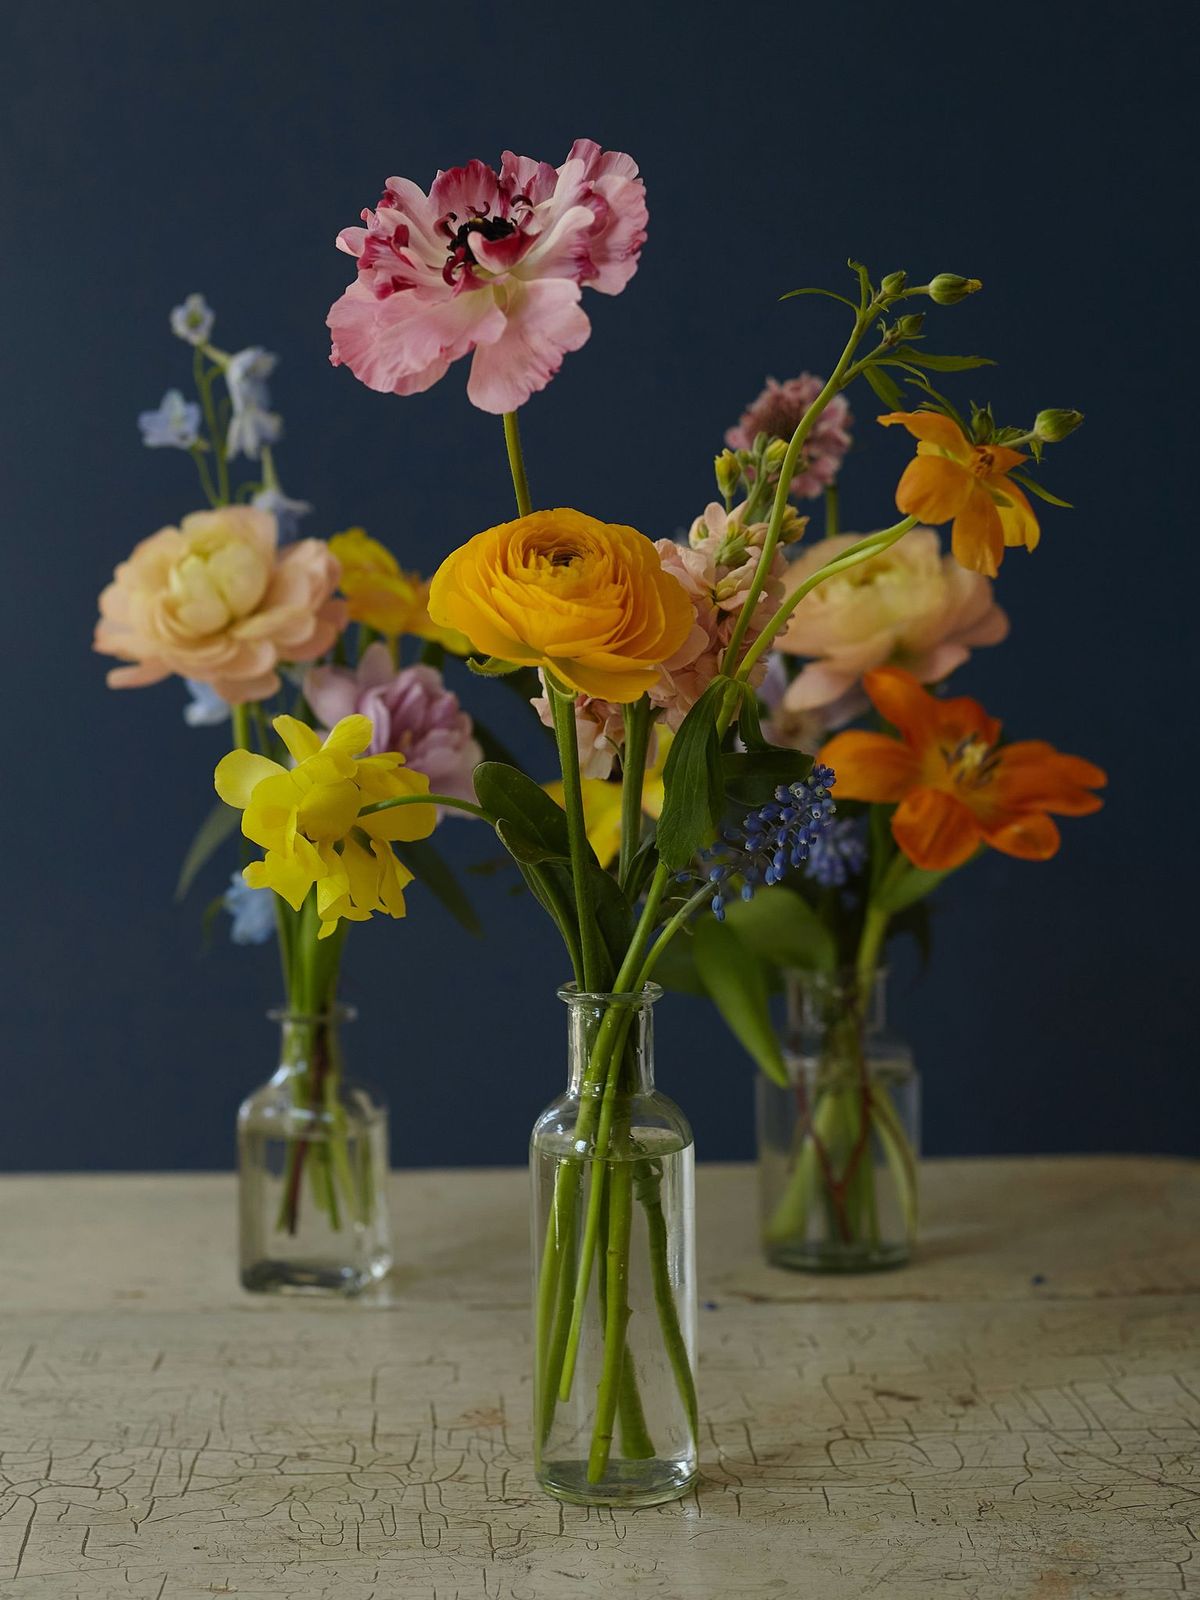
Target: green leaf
[(752, 776), (220, 824), (524, 848), (884, 387), (491, 667), (1037, 489), (780, 926), (692, 781), (903, 884), (641, 868), (431, 868), (828, 294), (749, 723), (926, 358), (675, 968), (508, 795), (614, 918), (734, 978)]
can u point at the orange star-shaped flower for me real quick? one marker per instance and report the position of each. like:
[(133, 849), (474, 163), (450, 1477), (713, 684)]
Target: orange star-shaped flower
[(953, 785), (952, 478)]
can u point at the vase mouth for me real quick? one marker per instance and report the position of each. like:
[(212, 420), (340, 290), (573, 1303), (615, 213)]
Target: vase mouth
[(335, 1013), (570, 994)]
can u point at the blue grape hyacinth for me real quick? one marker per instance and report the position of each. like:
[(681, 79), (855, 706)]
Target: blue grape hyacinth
[(772, 839), (836, 855)]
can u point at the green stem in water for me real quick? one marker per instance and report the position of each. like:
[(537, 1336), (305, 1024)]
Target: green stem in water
[(516, 463), (620, 1217)]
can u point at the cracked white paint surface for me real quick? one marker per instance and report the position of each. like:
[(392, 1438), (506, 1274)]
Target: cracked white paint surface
[(1016, 1416)]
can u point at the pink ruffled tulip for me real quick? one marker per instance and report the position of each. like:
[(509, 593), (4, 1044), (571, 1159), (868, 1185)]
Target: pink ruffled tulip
[(910, 607), (411, 710), (490, 263)]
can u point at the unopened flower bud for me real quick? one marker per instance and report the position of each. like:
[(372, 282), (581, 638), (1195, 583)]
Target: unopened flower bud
[(729, 473), (910, 326), (947, 289), (1051, 426), (894, 283), (773, 456), (793, 526)]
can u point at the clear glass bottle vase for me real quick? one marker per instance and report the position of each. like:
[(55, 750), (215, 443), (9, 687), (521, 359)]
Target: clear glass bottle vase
[(312, 1168), (614, 1269), (838, 1146)]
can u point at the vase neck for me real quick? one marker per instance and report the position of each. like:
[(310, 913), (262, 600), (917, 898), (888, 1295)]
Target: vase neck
[(618, 1026), (818, 1001), (311, 1042)]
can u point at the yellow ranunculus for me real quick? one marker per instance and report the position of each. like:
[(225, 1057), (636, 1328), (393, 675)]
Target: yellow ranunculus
[(602, 802), (588, 601), (380, 593), (306, 817)]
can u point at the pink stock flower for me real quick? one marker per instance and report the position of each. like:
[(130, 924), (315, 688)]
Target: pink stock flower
[(599, 729), (778, 411), (490, 263), (715, 567), (411, 711), (909, 607)]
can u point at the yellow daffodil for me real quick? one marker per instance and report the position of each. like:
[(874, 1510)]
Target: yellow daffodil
[(602, 802), (380, 593), (306, 818)]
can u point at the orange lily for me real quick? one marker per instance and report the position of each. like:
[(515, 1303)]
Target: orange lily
[(953, 786), (953, 478)]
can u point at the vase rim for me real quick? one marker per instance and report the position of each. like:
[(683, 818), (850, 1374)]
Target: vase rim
[(338, 1012), (571, 994)]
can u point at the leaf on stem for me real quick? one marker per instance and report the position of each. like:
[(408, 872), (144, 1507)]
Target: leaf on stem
[(884, 387), (780, 926), (491, 667), (693, 798), (750, 777), (220, 824), (936, 363), (737, 985), (432, 869), (510, 796), (827, 293)]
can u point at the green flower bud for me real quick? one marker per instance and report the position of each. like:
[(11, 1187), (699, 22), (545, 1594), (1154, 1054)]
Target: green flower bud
[(910, 326), (1051, 426), (947, 289), (773, 456), (729, 473), (894, 283)]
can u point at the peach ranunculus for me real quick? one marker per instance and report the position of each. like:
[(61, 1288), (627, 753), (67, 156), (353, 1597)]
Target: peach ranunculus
[(585, 600), (909, 607), (216, 600)]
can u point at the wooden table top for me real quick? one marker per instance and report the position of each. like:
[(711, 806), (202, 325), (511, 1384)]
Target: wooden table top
[(1015, 1415)]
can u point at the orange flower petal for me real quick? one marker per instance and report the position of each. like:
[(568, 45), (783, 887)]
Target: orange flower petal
[(977, 537), (901, 700), (1017, 518), (935, 830), (1034, 776), (1030, 838), (934, 489), (931, 427), (869, 766)]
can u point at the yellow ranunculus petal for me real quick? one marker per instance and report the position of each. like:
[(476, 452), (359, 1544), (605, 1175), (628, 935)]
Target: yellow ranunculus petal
[(239, 773)]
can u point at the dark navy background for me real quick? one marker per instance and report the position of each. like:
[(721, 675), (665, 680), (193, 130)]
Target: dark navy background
[(154, 150)]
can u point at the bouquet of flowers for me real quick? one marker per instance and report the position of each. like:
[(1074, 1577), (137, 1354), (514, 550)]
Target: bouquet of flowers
[(299, 643), (673, 801)]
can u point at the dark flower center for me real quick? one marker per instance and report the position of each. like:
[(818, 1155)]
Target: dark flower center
[(459, 253)]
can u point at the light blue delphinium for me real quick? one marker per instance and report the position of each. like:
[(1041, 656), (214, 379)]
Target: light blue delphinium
[(205, 709), (175, 423), (287, 513), (193, 320), (252, 423), (252, 911)]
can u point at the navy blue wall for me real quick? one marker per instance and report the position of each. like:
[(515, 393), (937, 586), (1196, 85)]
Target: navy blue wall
[(153, 150)]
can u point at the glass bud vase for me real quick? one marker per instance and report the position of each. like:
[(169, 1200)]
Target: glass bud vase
[(614, 1269), (838, 1146), (312, 1165)]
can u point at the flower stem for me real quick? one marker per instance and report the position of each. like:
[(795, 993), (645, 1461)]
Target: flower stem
[(831, 511), (872, 545), (633, 775), (562, 706), (427, 800), (516, 463), (620, 1218)]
